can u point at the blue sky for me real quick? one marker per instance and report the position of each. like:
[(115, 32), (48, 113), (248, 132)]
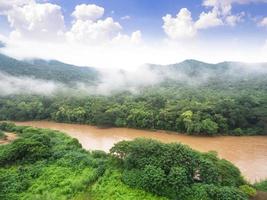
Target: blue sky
[(210, 30), (147, 14)]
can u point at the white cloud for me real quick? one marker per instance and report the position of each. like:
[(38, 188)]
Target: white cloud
[(223, 8), (207, 20), (89, 28), (91, 32), (181, 26), (122, 39), (126, 17), (232, 20), (88, 12), (102, 43), (21, 85), (263, 22), (6, 5), (213, 2), (36, 21)]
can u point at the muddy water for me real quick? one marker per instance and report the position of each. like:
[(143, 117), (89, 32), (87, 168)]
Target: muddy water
[(9, 138), (249, 153)]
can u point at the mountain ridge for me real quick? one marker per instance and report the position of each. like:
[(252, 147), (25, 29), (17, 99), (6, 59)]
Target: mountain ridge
[(47, 70), (67, 73)]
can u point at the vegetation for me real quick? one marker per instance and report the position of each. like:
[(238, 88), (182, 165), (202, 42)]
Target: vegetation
[(47, 70), (199, 111), (46, 164), (248, 190), (262, 185), (2, 135), (176, 171), (205, 99)]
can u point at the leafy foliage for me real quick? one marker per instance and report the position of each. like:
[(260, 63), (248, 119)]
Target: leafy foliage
[(45, 164), (207, 99), (248, 190), (262, 185), (176, 171), (190, 110)]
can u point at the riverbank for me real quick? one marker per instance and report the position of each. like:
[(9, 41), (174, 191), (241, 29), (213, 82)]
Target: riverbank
[(47, 164), (9, 138), (247, 152)]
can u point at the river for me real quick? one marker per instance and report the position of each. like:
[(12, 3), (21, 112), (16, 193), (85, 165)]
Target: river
[(249, 153)]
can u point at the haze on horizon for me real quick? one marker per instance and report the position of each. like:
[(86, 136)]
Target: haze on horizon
[(126, 35)]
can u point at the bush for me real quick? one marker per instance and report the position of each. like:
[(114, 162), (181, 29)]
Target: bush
[(173, 170), (28, 149), (46, 164), (262, 185), (248, 190), (6, 126), (154, 179), (99, 154), (213, 192)]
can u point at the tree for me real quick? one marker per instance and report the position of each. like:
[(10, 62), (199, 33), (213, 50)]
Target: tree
[(208, 126)]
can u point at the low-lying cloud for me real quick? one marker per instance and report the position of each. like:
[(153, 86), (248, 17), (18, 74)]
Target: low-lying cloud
[(25, 85), (113, 81)]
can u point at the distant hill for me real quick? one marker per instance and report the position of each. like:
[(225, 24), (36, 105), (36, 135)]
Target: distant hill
[(48, 70), (189, 71), (196, 68), (222, 73)]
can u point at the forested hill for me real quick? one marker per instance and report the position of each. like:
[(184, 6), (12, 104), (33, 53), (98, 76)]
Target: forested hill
[(193, 68), (47, 70), (191, 97), (192, 71)]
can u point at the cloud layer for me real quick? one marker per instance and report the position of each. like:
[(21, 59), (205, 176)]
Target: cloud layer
[(25, 85), (39, 29), (183, 26)]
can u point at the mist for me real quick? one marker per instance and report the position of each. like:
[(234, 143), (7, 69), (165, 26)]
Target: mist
[(25, 85), (114, 80)]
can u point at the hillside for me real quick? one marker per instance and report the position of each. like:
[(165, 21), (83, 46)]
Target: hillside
[(197, 69), (188, 71), (190, 97), (47, 70), (47, 164)]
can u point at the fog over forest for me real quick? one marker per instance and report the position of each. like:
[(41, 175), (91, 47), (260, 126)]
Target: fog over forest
[(108, 81)]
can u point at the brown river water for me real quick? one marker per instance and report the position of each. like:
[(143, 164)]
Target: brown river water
[(249, 153)]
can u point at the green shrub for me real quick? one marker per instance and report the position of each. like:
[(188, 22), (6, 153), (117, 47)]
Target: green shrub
[(110, 187), (213, 192), (248, 190), (172, 170), (46, 164), (154, 179), (262, 185), (26, 149), (6, 126)]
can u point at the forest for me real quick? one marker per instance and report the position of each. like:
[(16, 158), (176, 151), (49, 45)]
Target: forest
[(190, 97), (198, 111), (47, 164)]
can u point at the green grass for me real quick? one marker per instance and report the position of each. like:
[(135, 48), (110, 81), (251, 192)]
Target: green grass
[(111, 187), (44, 164)]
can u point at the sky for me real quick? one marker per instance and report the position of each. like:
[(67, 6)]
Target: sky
[(128, 34)]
